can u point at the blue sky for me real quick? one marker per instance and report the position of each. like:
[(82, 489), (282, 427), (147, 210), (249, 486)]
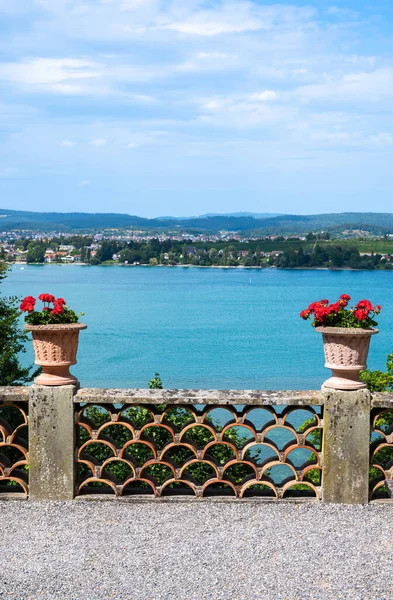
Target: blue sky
[(181, 107)]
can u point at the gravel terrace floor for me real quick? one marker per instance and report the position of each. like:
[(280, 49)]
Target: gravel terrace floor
[(195, 550)]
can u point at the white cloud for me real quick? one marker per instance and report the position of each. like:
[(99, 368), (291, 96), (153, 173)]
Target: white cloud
[(383, 139), (69, 89), (244, 109), (357, 88), (209, 61), (99, 142), (205, 24), (237, 16), (212, 105), (138, 19), (138, 98), (84, 183), (142, 138), (16, 8), (213, 55), (8, 171), (48, 71), (342, 12), (65, 76), (77, 77), (330, 137), (266, 96), (67, 144)]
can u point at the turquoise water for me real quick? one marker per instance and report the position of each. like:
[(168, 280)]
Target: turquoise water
[(203, 328)]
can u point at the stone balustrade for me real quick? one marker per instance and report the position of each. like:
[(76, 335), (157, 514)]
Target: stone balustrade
[(60, 443)]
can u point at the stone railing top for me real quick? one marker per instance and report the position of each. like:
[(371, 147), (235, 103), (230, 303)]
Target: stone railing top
[(382, 400), (14, 394), (181, 396), (217, 397)]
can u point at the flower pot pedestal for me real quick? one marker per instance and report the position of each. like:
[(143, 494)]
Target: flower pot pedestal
[(346, 351), (55, 348), (55, 376)]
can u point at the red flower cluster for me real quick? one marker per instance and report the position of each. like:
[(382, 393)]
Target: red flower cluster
[(28, 304), (54, 312), (323, 309), (337, 314), (46, 298), (57, 310), (364, 308)]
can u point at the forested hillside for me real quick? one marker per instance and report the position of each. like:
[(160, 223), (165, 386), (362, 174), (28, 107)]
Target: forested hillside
[(377, 223)]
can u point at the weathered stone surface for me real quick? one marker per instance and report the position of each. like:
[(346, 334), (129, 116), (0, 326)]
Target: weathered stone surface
[(223, 397), (382, 400), (51, 443), (346, 446), (14, 394), (389, 487)]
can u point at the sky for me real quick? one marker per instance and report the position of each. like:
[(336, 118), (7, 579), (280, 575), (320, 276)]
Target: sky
[(183, 107)]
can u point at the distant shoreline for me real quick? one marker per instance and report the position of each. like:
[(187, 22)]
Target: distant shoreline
[(80, 264)]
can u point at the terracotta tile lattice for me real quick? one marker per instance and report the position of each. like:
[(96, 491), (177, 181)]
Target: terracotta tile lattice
[(381, 453), (14, 458), (203, 451)]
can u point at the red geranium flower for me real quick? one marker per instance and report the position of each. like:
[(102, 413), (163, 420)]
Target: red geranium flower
[(361, 314), (365, 304), (334, 308), (46, 298), (27, 304), (344, 299), (321, 312), (305, 314)]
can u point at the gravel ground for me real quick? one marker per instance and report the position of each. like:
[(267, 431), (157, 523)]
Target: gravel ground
[(195, 551)]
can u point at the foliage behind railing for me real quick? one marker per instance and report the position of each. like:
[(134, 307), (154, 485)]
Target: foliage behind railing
[(202, 450)]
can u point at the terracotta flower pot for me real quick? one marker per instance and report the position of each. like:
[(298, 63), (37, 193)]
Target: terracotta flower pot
[(55, 348), (346, 351)]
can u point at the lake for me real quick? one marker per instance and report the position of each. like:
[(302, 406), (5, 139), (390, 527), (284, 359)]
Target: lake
[(200, 327)]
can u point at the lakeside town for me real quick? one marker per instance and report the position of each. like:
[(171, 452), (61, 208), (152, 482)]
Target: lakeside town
[(225, 249)]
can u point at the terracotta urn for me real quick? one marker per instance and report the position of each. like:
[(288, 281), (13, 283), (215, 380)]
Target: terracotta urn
[(55, 348), (346, 351)]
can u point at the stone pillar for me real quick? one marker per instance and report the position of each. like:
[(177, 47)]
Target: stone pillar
[(51, 443), (346, 446)]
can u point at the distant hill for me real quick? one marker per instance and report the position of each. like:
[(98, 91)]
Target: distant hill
[(244, 214), (12, 219), (256, 224), (16, 219), (374, 222), (236, 214)]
